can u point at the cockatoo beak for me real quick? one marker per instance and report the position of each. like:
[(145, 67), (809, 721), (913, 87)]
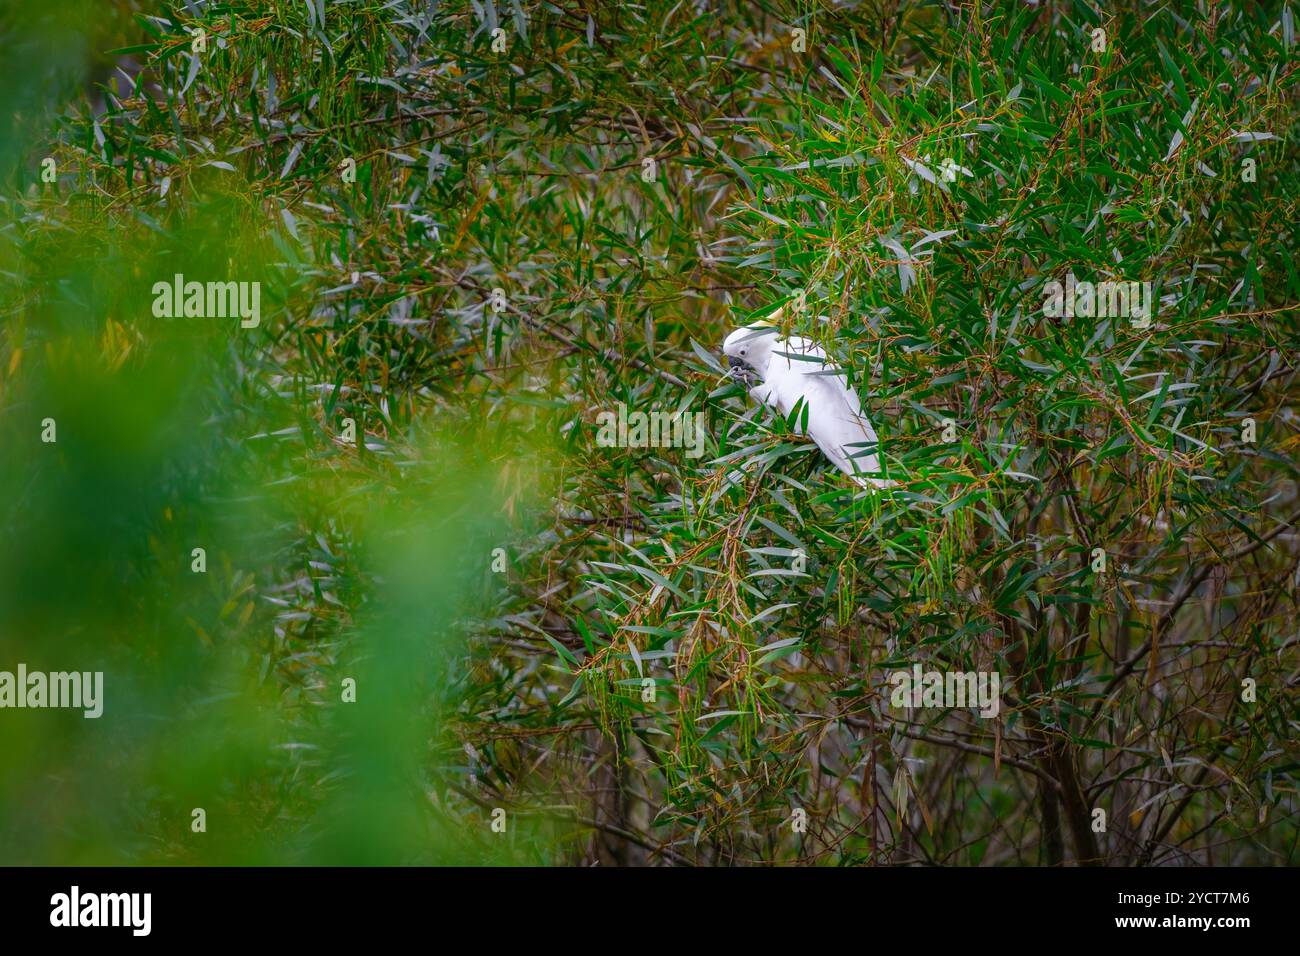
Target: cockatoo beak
[(741, 371)]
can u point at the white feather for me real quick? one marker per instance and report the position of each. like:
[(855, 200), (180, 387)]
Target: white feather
[(798, 369)]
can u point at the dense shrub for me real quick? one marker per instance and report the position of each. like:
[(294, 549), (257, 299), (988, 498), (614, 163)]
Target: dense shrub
[(469, 244)]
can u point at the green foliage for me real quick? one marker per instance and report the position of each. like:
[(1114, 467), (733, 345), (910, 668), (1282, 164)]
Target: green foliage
[(637, 180)]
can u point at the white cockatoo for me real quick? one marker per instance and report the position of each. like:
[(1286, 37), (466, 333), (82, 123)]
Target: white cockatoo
[(779, 372)]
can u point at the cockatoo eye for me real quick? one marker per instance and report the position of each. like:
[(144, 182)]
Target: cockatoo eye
[(744, 351)]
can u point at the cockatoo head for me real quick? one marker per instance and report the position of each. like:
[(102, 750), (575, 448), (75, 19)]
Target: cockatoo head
[(748, 351)]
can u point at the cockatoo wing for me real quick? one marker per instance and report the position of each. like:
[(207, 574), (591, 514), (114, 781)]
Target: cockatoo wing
[(836, 424), (835, 419), (795, 353)]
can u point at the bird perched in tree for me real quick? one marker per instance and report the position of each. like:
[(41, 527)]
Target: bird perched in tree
[(779, 372)]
